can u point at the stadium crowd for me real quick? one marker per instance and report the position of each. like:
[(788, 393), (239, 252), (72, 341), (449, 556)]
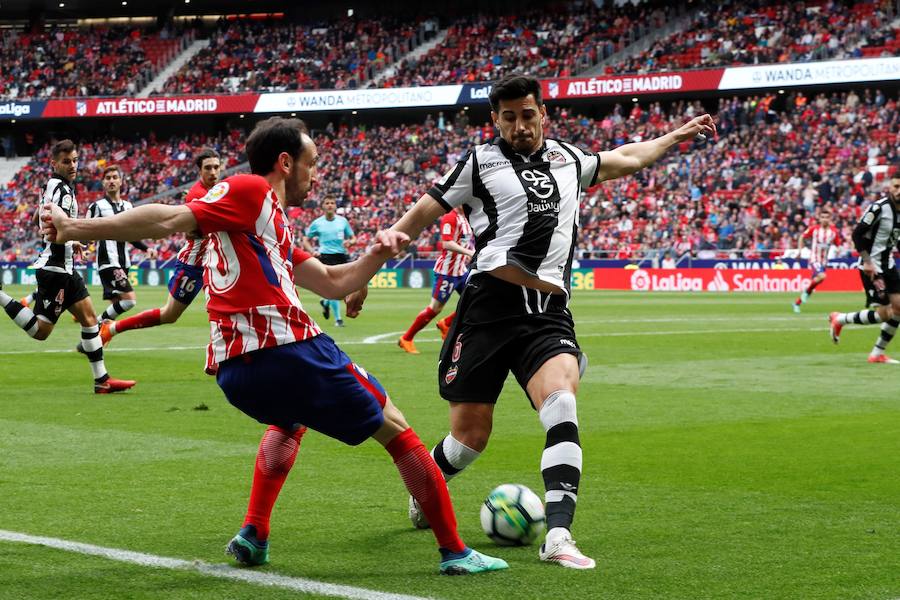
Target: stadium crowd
[(267, 56), (765, 31), (69, 62), (749, 193), (558, 42)]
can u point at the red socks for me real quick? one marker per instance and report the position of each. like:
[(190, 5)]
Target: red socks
[(813, 285), (147, 318), (274, 460), (425, 482), (421, 321)]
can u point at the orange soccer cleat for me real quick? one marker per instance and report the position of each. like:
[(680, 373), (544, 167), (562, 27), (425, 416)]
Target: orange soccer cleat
[(105, 334), (407, 345), (111, 386), (835, 327), (443, 327)]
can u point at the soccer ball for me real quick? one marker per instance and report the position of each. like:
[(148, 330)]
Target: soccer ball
[(513, 515)]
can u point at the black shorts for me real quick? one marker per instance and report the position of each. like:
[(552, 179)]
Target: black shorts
[(334, 259), (501, 327), (879, 290), (56, 292), (115, 282)]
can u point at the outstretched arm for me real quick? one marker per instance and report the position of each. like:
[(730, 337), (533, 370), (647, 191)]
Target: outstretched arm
[(630, 158), (452, 246), (338, 281), (151, 221), (423, 213)]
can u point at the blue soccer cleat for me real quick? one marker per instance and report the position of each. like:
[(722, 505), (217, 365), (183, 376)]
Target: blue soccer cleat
[(248, 550), (469, 562)]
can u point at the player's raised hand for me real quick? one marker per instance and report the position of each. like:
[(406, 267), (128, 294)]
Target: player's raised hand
[(53, 222), (703, 126), (389, 241), (354, 302)]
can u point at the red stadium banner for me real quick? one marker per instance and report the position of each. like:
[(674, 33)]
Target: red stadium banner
[(723, 280), (157, 105), (622, 85)]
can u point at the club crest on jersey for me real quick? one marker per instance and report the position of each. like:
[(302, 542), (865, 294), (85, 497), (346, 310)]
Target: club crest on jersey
[(451, 374), (216, 192), (457, 349), (556, 156)]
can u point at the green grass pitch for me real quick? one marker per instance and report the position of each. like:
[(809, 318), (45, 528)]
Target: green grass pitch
[(730, 450)]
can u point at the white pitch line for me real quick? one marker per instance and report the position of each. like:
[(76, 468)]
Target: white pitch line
[(375, 339), (297, 584), (372, 339)]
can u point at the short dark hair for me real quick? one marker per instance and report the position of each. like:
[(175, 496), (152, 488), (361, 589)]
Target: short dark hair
[(203, 155), (513, 87), (272, 137), (61, 147), (109, 168)]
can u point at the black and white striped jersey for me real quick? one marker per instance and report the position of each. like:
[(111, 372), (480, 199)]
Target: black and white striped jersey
[(58, 257), (110, 254), (877, 233), (523, 209)]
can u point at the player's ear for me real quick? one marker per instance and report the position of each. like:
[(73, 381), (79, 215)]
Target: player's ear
[(285, 161), (496, 119)]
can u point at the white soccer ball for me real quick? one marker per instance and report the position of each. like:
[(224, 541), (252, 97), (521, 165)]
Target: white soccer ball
[(513, 515)]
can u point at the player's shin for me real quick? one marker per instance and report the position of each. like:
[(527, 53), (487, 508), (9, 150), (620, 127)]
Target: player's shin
[(93, 348), (421, 320), (423, 479), (21, 315), (561, 459), (274, 460), (863, 317), (888, 330), (116, 309), (147, 318), (452, 456)]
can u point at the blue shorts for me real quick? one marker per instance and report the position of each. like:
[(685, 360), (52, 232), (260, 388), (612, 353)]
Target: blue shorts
[(311, 383), (445, 285), (816, 269), (186, 282)]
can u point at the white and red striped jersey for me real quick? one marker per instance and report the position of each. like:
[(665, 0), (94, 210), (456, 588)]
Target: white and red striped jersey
[(454, 228), (822, 239), (249, 270), (194, 248)]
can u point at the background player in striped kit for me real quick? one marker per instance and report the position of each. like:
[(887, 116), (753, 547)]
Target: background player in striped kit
[(59, 286), (334, 236), (275, 364), (187, 280), (822, 237), (450, 272), (113, 258), (875, 237), (521, 193)]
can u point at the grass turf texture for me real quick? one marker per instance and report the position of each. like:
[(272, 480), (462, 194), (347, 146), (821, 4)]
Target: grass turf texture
[(731, 451)]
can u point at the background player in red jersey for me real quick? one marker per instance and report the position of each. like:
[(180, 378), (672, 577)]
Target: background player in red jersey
[(187, 281), (822, 237), (449, 276), (274, 363)]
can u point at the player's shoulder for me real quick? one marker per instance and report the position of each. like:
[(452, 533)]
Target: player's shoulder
[(248, 187)]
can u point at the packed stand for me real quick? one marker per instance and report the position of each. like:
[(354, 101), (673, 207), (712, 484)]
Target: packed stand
[(271, 56), (749, 193), (151, 166), (70, 62), (765, 32), (558, 41)]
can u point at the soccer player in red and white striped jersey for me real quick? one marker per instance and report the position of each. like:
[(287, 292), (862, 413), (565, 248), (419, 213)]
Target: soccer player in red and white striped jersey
[(187, 280), (274, 363), (449, 275), (822, 237)]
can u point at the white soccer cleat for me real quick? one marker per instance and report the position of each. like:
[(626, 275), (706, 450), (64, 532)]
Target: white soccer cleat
[(417, 515), (564, 552)]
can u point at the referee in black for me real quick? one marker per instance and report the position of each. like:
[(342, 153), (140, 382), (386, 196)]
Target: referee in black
[(521, 194)]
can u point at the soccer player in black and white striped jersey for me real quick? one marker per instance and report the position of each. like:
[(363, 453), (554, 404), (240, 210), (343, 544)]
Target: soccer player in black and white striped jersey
[(875, 237), (521, 195), (113, 259), (59, 287)]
